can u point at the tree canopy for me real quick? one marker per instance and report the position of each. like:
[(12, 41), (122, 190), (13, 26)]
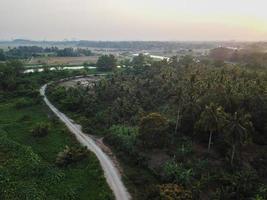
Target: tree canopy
[(106, 62)]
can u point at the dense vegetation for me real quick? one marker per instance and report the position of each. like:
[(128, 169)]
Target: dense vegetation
[(106, 62), (25, 52), (183, 130), (253, 56), (39, 159), (128, 45), (70, 52)]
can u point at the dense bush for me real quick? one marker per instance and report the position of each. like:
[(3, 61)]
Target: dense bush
[(123, 137), (153, 130), (70, 155), (184, 149), (41, 130), (23, 103), (22, 175), (106, 62), (10, 74), (178, 173), (174, 192), (261, 193), (240, 185)]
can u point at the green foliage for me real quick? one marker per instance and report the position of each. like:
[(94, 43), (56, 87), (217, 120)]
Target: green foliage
[(211, 120), (9, 75), (23, 103), (70, 52), (251, 57), (153, 131), (27, 165), (200, 100), (24, 52), (184, 149), (69, 99), (238, 126), (174, 192), (67, 52), (40, 130), (178, 173), (2, 55), (123, 137), (21, 175), (187, 60), (141, 60), (237, 130), (240, 185), (70, 155), (106, 62), (261, 193)]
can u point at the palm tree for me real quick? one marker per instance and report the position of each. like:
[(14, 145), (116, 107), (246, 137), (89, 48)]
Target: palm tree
[(179, 107), (237, 130), (211, 120)]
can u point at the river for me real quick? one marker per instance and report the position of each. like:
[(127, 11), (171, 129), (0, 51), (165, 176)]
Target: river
[(31, 70)]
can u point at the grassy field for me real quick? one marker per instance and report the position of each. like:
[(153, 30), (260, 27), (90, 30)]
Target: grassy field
[(39, 178)]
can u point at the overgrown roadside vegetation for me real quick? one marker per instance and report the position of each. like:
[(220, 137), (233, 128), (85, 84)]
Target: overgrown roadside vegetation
[(39, 159)]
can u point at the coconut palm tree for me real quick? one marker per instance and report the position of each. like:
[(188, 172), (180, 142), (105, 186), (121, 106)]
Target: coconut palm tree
[(179, 101), (238, 126), (211, 120)]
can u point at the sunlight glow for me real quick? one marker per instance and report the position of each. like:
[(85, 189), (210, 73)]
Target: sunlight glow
[(135, 20)]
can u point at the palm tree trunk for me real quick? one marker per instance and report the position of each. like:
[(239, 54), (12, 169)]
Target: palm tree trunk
[(210, 141), (177, 121), (233, 154)]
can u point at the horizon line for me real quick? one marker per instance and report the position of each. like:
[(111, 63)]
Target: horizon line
[(92, 40)]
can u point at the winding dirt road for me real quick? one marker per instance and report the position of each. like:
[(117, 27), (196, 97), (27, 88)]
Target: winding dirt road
[(112, 174)]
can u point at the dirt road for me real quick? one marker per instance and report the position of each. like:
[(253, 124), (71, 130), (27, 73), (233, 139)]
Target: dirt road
[(112, 174)]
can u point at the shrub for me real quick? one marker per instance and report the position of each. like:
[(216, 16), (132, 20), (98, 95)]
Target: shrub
[(23, 103), (261, 193), (106, 62), (178, 173), (41, 130), (124, 137), (184, 149), (70, 155), (25, 118), (174, 192), (153, 131), (240, 185)]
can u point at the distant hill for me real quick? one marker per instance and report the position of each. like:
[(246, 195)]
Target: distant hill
[(137, 45), (22, 42)]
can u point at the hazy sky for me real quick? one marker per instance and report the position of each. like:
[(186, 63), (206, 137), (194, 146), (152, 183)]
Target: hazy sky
[(134, 19)]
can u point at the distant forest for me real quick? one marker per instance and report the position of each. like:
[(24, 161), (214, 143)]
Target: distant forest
[(24, 52), (134, 45)]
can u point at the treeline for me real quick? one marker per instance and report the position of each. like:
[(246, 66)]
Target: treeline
[(25, 52), (14, 83), (110, 62), (208, 125), (141, 45), (70, 52), (249, 57), (135, 45)]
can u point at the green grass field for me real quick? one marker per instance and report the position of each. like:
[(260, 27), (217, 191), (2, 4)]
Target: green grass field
[(27, 163)]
